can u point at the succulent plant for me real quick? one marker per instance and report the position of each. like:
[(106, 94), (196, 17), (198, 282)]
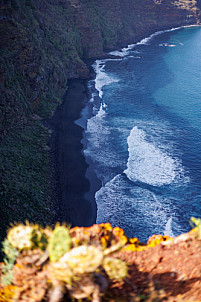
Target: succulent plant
[(76, 265), (83, 259), (27, 237), (39, 239), (83, 287), (20, 236), (59, 243), (60, 271), (11, 254), (115, 268), (10, 251)]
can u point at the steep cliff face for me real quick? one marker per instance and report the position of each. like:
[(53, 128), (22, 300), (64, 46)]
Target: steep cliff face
[(43, 44), (122, 22)]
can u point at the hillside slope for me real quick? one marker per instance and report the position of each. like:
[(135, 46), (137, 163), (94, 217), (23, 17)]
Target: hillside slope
[(43, 44)]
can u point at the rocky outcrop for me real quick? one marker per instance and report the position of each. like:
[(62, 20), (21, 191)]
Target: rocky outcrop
[(43, 44), (99, 263)]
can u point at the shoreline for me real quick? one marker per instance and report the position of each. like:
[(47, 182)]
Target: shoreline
[(69, 164), (74, 180)]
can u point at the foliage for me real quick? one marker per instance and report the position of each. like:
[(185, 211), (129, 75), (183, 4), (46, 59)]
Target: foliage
[(59, 243), (27, 237), (79, 263), (71, 257), (37, 51), (11, 254)]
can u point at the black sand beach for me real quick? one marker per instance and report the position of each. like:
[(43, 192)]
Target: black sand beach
[(68, 161)]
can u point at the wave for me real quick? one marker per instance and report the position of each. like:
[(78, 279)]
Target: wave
[(119, 53), (138, 210), (98, 132), (171, 43), (99, 150), (168, 228), (149, 163), (102, 78), (145, 41), (148, 39), (124, 51)]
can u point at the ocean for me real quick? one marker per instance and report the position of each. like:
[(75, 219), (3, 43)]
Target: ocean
[(142, 134)]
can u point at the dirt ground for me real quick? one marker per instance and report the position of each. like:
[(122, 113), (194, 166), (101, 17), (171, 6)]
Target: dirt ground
[(165, 269), (170, 271)]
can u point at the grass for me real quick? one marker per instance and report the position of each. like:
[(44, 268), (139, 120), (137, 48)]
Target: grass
[(25, 190)]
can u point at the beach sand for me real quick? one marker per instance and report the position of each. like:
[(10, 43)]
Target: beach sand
[(69, 165)]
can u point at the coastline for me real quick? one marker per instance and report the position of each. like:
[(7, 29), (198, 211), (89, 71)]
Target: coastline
[(74, 181), (69, 165)]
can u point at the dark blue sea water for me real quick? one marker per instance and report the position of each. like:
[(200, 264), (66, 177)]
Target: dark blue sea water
[(143, 139)]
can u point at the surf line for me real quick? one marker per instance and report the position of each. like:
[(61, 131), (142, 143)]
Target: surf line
[(95, 86)]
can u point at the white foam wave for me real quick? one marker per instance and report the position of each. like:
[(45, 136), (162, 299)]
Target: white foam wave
[(168, 228), (92, 97), (99, 148), (139, 211), (102, 109), (123, 52), (102, 78), (126, 50), (148, 39), (129, 47), (148, 163), (96, 125), (119, 53)]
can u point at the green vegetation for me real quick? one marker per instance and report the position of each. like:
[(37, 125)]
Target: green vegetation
[(25, 187), (104, 20), (37, 52), (50, 264), (42, 46), (11, 254), (59, 243), (79, 266)]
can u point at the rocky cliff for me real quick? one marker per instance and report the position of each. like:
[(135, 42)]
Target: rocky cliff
[(43, 44)]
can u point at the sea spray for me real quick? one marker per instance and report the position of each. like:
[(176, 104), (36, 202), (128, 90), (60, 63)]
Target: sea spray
[(148, 163)]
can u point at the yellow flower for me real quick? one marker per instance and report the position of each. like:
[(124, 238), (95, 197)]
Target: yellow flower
[(118, 232), (133, 248), (134, 240), (157, 239), (7, 293), (107, 226)]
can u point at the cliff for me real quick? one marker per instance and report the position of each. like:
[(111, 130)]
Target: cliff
[(97, 264), (43, 45)]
